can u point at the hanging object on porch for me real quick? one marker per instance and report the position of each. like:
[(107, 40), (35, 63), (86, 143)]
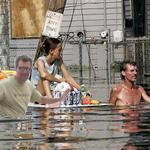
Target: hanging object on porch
[(117, 36)]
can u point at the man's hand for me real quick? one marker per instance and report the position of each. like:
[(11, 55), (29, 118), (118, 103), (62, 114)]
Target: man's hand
[(64, 95), (61, 99), (51, 101)]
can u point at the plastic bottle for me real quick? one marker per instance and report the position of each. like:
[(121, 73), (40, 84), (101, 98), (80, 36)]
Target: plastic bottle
[(83, 90)]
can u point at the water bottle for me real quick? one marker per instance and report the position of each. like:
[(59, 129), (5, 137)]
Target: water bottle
[(83, 90), (78, 97), (71, 99)]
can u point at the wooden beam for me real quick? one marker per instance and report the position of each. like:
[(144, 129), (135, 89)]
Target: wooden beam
[(56, 6)]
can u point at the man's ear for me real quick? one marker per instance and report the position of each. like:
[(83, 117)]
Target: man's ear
[(123, 73), (51, 51)]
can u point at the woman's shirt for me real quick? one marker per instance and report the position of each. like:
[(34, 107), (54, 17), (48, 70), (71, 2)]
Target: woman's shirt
[(52, 69)]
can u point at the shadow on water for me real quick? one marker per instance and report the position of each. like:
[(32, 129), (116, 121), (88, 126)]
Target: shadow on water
[(103, 127)]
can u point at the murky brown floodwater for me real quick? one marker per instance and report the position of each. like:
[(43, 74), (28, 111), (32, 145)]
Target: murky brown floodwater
[(89, 128), (86, 128)]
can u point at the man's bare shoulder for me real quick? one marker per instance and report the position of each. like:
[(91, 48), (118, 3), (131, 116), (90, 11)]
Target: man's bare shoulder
[(117, 87), (141, 89), (114, 93)]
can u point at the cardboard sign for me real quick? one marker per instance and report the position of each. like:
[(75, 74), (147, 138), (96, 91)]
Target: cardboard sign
[(52, 24)]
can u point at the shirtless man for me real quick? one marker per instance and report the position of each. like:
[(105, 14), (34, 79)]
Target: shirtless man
[(128, 93)]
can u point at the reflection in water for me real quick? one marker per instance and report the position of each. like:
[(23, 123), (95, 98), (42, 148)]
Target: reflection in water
[(105, 128), (136, 124)]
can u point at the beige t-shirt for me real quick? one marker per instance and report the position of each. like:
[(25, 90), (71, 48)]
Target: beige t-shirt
[(14, 97)]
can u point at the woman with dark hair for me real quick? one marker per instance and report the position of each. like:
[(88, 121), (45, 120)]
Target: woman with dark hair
[(47, 67)]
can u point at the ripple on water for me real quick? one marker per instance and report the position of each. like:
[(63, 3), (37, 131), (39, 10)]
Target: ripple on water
[(95, 128)]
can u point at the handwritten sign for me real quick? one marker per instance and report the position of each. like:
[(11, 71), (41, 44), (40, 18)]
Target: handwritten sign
[(52, 24)]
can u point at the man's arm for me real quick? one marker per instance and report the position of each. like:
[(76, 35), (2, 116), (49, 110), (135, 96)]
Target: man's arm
[(113, 96), (144, 95), (46, 100)]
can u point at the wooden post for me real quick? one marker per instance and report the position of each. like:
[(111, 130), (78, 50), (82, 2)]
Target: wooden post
[(56, 6)]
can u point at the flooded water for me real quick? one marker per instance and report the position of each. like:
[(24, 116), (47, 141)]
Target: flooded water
[(86, 128)]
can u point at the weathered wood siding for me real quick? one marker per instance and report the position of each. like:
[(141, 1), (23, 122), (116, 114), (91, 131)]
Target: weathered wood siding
[(91, 16)]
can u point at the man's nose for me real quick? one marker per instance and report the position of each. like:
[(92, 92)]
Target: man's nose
[(135, 71)]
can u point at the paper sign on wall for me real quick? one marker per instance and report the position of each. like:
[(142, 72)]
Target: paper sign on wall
[(52, 24), (117, 36)]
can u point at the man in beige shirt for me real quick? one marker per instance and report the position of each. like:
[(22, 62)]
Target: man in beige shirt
[(17, 91)]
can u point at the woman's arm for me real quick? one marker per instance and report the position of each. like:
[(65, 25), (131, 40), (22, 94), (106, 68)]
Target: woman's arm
[(44, 74), (68, 76), (44, 83)]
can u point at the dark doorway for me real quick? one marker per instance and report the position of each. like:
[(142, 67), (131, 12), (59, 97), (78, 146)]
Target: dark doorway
[(139, 18)]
